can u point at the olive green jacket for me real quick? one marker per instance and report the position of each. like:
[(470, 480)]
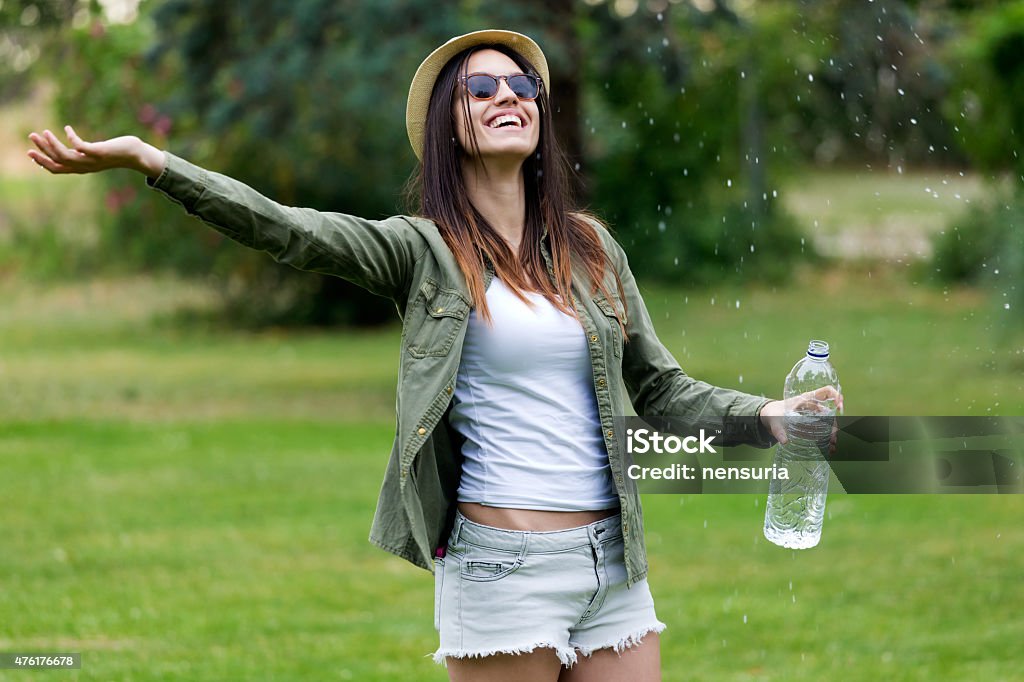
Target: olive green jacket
[(405, 259)]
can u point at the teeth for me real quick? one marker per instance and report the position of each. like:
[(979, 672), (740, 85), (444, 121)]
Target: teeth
[(507, 118)]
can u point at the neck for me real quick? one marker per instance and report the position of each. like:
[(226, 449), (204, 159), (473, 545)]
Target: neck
[(500, 196)]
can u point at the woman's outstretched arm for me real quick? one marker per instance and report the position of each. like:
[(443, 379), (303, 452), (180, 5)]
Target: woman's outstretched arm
[(378, 255)]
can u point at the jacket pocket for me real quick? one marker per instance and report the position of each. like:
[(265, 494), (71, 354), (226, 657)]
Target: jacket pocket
[(433, 320), (608, 309)]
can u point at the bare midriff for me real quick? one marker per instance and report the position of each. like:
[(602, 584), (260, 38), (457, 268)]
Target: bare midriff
[(531, 519)]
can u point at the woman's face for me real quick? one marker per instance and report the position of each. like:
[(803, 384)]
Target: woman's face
[(505, 126)]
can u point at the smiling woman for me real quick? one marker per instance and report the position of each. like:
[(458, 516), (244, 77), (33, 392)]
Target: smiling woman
[(521, 322)]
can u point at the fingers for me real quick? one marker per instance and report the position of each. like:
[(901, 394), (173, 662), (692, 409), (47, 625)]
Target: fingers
[(46, 162), (826, 393), (78, 143), (45, 156), (53, 155), (42, 143), (63, 154)]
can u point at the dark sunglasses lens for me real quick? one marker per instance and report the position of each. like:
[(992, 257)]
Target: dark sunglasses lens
[(481, 87), (525, 87)]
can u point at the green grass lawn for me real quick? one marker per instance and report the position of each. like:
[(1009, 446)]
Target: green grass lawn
[(193, 504), (877, 214)]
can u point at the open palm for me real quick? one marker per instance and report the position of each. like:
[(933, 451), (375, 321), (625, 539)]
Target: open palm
[(82, 156)]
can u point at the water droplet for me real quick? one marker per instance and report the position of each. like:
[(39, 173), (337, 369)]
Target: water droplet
[(661, 226), (913, 121), (728, 183), (810, 77), (705, 523), (744, 618), (1006, 306), (741, 381)]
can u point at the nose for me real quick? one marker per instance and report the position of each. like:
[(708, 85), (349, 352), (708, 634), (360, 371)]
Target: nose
[(504, 93)]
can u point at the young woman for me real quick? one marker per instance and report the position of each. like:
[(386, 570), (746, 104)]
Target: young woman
[(521, 318)]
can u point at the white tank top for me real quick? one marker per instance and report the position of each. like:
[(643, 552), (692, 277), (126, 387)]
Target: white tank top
[(524, 401)]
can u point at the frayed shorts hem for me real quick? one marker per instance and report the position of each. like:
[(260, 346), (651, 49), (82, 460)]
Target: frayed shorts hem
[(626, 642), (568, 656)]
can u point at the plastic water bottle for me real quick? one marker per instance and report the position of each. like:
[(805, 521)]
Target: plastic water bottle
[(796, 507)]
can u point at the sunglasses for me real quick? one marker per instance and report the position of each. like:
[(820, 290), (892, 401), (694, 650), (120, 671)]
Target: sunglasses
[(485, 86)]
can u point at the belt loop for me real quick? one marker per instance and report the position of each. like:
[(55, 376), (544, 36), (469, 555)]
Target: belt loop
[(459, 518)]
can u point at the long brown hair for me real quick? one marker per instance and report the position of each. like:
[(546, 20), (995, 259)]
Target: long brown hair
[(441, 189)]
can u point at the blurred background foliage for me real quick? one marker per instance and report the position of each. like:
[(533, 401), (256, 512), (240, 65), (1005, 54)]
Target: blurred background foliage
[(681, 117)]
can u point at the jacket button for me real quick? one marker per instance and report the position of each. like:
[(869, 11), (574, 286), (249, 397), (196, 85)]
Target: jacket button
[(593, 337), (422, 431), (610, 433), (449, 389), (600, 382)]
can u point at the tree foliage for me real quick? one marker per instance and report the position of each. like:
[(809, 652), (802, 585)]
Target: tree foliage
[(680, 117)]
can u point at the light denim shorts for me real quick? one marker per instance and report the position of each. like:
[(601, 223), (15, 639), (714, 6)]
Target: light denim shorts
[(507, 591)]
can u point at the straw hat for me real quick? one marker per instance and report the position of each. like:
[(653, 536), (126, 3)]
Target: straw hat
[(426, 74)]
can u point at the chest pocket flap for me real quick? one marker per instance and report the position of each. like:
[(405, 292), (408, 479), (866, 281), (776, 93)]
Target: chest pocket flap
[(434, 319)]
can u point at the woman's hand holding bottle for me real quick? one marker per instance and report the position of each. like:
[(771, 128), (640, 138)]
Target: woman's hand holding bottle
[(127, 151)]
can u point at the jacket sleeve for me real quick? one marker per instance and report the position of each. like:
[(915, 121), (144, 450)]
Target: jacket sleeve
[(658, 386), (374, 254)]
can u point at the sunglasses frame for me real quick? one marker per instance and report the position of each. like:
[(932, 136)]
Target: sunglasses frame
[(497, 84)]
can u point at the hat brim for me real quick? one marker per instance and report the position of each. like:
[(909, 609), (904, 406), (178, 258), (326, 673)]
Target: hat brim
[(426, 75)]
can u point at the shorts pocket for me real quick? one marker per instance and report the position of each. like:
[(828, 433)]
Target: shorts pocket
[(438, 590), (482, 564)]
